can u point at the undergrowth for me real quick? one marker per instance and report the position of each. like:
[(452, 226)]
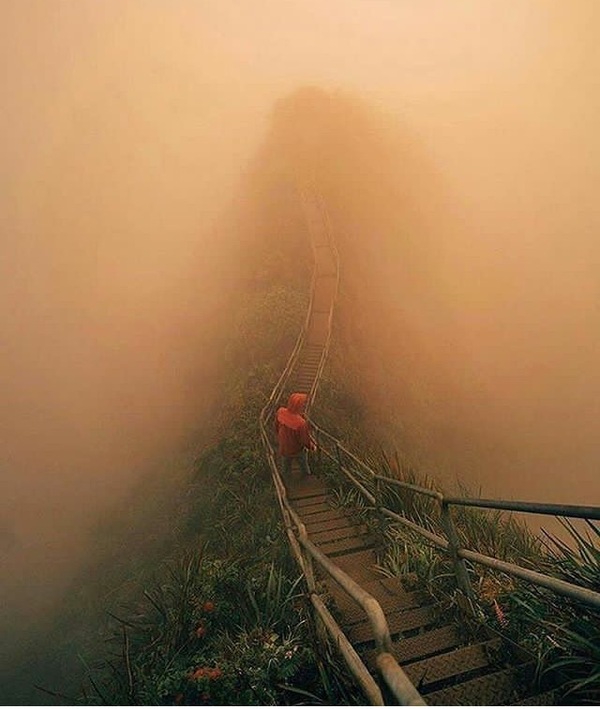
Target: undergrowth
[(563, 635), (226, 622), (223, 618)]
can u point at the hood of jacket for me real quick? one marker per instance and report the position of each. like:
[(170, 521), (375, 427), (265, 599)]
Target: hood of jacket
[(296, 403), (291, 416)]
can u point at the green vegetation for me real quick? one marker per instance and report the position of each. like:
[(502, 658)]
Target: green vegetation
[(225, 622), (213, 610), (563, 635)]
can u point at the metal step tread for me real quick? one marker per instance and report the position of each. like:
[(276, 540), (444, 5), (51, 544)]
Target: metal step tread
[(544, 699), (331, 535), (328, 514), (389, 603), (307, 511), (497, 688), (309, 349), (344, 546), (327, 525), (306, 488), (419, 646), (360, 566), (399, 622), (451, 664), (303, 502)]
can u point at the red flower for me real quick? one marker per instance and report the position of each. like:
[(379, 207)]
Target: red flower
[(209, 672), (198, 674), (200, 631), (208, 607), (500, 615)]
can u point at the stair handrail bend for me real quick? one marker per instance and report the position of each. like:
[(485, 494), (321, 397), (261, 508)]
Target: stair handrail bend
[(451, 544), (298, 538)]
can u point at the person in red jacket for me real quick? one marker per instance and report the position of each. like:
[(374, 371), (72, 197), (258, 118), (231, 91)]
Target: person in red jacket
[(293, 433)]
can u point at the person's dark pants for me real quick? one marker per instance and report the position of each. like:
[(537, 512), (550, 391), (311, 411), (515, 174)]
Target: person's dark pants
[(302, 463)]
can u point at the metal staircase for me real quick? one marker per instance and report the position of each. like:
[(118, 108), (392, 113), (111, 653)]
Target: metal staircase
[(397, 642)]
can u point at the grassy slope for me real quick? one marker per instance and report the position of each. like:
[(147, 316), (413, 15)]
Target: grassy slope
[(213, 613), (563, 635), (203, 603)]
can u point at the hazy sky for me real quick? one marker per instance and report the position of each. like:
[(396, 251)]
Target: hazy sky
[(125, 128)]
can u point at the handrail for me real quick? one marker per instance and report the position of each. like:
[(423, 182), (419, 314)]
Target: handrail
[(539, 508), (394, 676), (451, 544), (360, 487), (331, 245), (307, 553)]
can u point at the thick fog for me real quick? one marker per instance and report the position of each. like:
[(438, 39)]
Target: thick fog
[(124, 135), (126, 127)]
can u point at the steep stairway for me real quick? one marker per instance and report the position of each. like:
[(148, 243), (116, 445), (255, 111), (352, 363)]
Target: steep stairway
[(447, 661), (450, 661)]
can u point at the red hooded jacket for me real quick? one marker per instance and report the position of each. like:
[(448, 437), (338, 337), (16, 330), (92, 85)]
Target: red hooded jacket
[(293, 433)]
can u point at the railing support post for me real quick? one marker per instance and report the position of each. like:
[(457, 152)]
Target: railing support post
[(339, 456), (319, 453), (309, 572), (460, 569), (378, 505)]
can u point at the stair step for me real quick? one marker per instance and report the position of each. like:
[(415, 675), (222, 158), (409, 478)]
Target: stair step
[(490, 690), (451, 664), (420, 646), (301, 503), (325, 515), (332, 535), (359, 566), (309, 510), (400, 600), (298, 494), (344, 546), (302, 488), (545, 699), (399, 622), (327, 525), (390, 585)]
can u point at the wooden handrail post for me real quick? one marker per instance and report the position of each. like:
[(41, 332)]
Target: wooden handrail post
[(379, 505), (460, 569), (319, 453)]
